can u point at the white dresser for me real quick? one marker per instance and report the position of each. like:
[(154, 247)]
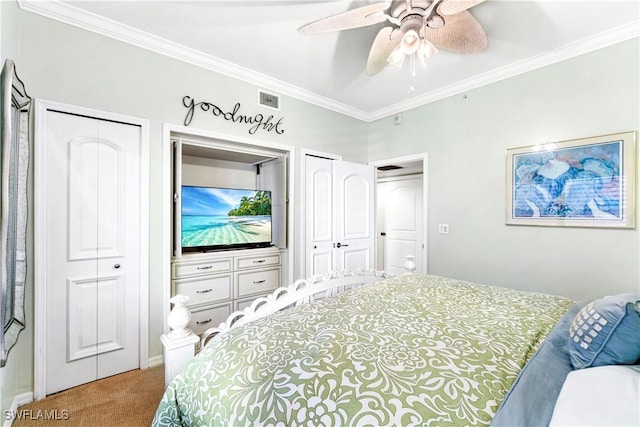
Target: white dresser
[(218, 283)]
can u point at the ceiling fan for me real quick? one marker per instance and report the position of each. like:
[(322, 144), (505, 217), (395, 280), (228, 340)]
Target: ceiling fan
[(418, 29)]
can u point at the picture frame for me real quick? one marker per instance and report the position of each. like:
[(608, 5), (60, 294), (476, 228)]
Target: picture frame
[(588, 182)]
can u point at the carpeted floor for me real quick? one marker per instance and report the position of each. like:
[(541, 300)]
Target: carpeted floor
[(128, 399)]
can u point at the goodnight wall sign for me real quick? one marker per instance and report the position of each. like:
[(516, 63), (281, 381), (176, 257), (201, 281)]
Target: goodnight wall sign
[(255, 122)]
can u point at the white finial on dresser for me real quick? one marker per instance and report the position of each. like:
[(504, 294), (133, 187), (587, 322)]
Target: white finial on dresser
[(410, 265), (179, 317), (180, 343)]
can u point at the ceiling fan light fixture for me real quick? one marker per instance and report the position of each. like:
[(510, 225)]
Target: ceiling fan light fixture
[(425, 51), (410, 42), (418, 27), (397, 57)]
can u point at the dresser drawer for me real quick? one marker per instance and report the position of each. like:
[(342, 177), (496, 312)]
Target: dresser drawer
[(203, 319), (187, 269), (205, 290), (256, 282), (257, 261)]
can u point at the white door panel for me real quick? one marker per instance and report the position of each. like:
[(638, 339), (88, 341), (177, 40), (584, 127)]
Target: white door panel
[(318, 215), (354, 258), (353, 204), (321, 262), (92, 231), (94, 183), (355, 207), (85, 319), (321, 214), (400, 208)]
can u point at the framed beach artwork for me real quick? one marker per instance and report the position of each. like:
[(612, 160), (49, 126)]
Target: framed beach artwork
[(578, 183)]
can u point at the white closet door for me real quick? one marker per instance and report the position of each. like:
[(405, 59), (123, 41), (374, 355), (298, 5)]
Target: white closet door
[(354, 215), (318, 215), (339, 214), (92, 261)]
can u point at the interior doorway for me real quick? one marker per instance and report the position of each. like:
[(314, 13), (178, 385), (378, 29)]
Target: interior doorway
[(401, 219), (339, 218)]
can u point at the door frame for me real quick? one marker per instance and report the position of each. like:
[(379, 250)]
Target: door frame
[(39, 231), (424, 157)]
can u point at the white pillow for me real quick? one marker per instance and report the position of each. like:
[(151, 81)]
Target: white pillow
[(599, 396)]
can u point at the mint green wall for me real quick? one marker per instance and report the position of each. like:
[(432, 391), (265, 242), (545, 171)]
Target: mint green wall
[(17, 375), (9, 33), (466, 140), (70, 65), (62, 63), (466, 137)]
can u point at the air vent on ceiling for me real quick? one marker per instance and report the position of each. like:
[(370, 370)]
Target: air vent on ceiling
[(269, 100), (389, 168)]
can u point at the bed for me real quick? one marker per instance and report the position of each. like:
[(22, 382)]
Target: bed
[(406, 350)]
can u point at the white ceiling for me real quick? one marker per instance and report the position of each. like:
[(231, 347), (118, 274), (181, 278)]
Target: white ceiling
[(257, 41)]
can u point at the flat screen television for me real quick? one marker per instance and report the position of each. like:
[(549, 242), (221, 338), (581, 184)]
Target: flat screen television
[(216, 218)]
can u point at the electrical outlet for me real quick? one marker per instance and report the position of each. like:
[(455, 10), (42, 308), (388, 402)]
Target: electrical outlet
[(443, 228)]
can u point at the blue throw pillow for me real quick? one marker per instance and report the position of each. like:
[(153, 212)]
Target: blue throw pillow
[(606, 332)]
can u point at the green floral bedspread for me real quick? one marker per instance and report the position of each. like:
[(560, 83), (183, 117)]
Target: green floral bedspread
[(412, 350)]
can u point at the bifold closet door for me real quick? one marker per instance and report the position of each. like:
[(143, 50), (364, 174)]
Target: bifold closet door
[(339, 215), (92, 237)]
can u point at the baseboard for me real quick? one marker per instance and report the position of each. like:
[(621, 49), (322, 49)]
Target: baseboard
[(18, 401), (155, 361)]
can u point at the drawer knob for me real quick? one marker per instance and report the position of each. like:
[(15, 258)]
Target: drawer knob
[(204, 291), (204, 322), (258, 261), (259, 281), (206, 267)]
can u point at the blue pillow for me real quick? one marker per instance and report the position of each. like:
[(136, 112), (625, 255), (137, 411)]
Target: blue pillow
[(606, 332)]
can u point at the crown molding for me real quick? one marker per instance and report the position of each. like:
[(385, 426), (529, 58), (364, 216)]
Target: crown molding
[(599, 41), (77, 17)]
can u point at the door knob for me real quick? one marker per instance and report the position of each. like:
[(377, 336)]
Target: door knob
[(116, 266), (340, 245)]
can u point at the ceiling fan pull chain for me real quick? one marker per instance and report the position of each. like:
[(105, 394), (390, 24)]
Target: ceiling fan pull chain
[(412, 69), (412, 62)]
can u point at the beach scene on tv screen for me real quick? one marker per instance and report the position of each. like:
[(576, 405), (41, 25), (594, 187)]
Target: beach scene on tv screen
[(218, 216)]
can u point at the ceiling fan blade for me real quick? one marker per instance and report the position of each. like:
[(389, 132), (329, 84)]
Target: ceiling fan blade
[(451, 7), (360, 17), (386, 40), (461, 33)]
